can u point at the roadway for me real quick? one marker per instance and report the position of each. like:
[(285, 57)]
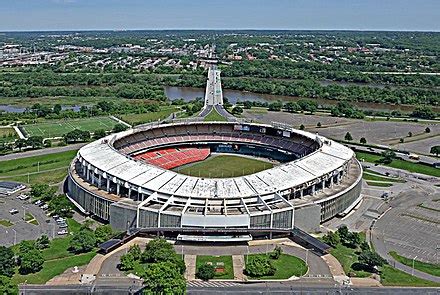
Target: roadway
[(41, 152)]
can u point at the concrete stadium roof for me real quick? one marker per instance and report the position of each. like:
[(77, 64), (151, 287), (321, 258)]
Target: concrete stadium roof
[(101, 155)]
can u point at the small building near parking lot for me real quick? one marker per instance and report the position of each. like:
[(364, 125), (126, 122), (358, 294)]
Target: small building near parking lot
[(10, 187)]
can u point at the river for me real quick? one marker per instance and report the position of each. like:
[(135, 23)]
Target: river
[(190, 93)]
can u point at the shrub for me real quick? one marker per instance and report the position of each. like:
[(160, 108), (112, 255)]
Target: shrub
[(206, 272), (259, 266)]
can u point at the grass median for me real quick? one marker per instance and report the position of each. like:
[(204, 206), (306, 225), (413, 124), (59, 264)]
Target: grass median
[(432, 269), (400, 164)]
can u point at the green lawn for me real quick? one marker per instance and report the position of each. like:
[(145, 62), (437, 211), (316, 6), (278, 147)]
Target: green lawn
[(6, 223), (214, 116), (60, 127), (225, 166), (433, 269), (390, 276), (227, 261), (53, 168), (52, 268), (379, 184), (370, 175), (136, 119), (347, 257), (401, 164), (286, 267), (74, 226)]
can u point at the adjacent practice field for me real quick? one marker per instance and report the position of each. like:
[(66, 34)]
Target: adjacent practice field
[(59, 128), (225, 166)]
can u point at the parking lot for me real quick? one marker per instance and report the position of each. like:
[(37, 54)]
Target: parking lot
[(412, 226), (20, 229)]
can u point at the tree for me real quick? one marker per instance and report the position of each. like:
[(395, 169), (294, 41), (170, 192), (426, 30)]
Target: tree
[(206, 272), (163, 278), (410, 134), (423, 112), (100, 133), (259, 266), (292, 107), (135, 251), (332, 239), (103, 233), (35, 142), (76, 136), (428, 130), (247, 104), (42, 242), (127, 262), (42, 191), (371, 259), (275, 106), (157, 250), (57, 109), (82, 241), (61, 206), (302, 127), (7, 287), (348, 136), (119, 128), (20, 143), (7, 262), (363, 140), (319, 125), (387, 156), (31, 261), (237, 110), (435, 150), (276, 253)]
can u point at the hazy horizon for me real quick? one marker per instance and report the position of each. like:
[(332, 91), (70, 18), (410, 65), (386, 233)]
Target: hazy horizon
[(296, 15)]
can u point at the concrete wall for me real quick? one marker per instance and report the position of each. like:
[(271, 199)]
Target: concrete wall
[(122, 216), (308, 218)]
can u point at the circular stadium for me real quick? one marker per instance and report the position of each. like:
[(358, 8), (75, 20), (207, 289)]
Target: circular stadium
[(233, 180)]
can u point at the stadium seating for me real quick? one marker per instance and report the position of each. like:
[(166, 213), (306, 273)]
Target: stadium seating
[(169, 158)]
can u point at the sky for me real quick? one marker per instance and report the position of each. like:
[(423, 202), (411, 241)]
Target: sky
[(35, 15)]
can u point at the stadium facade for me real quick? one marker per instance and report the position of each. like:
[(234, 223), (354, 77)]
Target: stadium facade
[(128, 179)]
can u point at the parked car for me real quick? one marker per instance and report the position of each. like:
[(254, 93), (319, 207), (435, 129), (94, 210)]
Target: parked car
[(45, 207), (63, 232), (42, 204), (38, 202), (23, 197), (13, 211), (63, 225)]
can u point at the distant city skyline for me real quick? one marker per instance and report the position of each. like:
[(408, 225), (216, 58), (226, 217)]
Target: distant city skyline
[(390, 15)]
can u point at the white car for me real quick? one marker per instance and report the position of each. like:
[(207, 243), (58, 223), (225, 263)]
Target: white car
[(63, 232), (23, 197), (13, 211)]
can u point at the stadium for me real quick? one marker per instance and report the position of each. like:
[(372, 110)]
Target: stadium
[(135, 181)]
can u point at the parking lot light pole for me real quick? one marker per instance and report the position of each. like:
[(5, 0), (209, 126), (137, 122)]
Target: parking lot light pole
[(412, 272), (15, 236)]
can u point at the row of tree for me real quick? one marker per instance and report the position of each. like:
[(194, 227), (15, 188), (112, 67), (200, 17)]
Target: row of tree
[(159, 265)]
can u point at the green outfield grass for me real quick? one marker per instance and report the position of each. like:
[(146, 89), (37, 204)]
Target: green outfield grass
[(214, 116), (227, 262), (136, 119), (53, 168), (60, 127), (225, 166)]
